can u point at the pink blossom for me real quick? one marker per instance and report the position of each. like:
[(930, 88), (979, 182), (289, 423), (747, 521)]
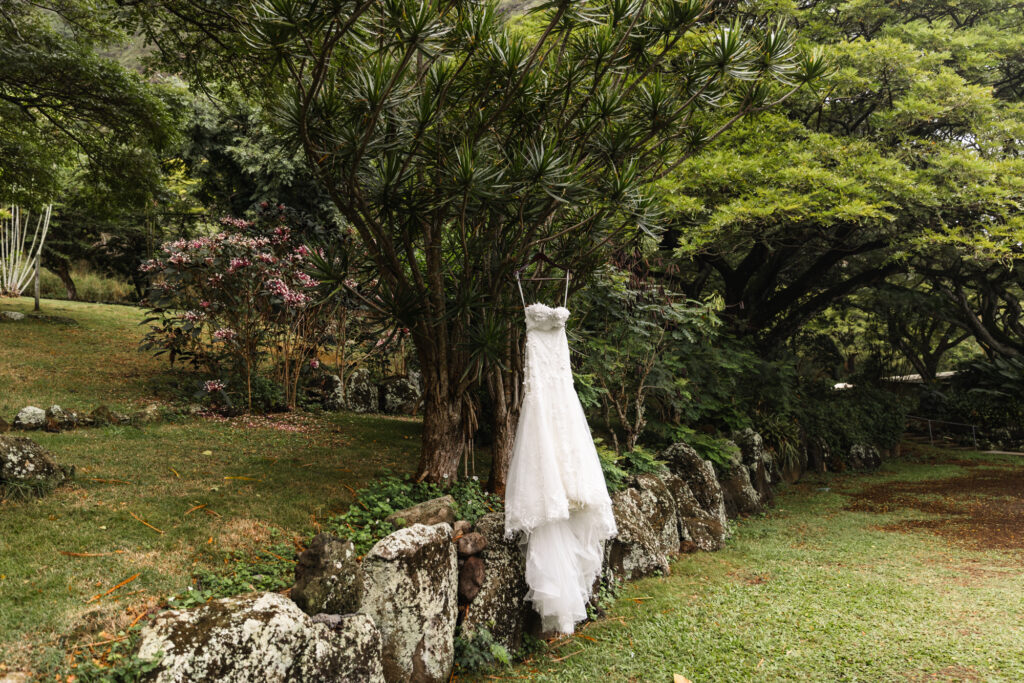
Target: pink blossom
[(178, 258), (213, 385), (306, 280), (149, 266), (224, 334), (266, 257), (215, 279), (314, 364), (204, 304), (239, 223), (302, 250), (192, 316), (237, 264)]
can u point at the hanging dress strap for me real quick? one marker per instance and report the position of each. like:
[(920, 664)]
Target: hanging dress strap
[(519, 284), (565, 297)]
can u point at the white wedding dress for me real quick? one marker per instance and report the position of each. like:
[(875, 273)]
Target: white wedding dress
[(556, 493)]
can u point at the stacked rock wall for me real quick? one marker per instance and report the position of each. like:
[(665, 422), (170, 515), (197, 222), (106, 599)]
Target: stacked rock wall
[(419, 586)]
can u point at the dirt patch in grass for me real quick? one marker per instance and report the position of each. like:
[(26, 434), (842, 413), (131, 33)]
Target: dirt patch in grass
[(983, 509)]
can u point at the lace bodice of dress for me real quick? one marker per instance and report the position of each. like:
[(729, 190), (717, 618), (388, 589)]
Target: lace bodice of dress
[(547, 350)]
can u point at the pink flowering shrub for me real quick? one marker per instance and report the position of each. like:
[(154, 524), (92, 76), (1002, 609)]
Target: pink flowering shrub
[(238, 305)]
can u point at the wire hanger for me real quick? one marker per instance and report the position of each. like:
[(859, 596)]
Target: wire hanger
[(536, 258)]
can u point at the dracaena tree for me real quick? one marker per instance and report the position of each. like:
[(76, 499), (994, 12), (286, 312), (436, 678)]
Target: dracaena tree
[(457, 144)]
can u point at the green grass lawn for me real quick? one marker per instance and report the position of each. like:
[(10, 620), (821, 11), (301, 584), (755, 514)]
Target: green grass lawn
[(812, 591), (261, 481), (78, 367)]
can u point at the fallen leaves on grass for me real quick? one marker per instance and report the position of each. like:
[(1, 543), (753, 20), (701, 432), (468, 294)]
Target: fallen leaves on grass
[(71, 554), (123, 583), (139, 519)]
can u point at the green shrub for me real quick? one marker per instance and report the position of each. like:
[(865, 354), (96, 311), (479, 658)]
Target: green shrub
[(364, 524), (477, 651), (863, 414), (618, 468)]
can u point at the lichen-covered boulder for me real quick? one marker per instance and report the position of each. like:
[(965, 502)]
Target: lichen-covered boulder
[(699, 475), (698, 528), (103, 415), (400, 395), (864, 457), (328, 578), (753, 452), (658, 505), (637, 550), (60, 419), (362, 395), (357, 635), (410, 583), (500, 605), (333, 393), (429, 512), (257, 637), (11, 316), (147, 415), (29, 418), (741, 498), (26, 464)]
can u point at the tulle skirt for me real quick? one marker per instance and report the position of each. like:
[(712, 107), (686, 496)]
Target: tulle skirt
[(557, 497)]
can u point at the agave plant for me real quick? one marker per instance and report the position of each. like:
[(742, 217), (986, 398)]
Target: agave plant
[(457, 144)]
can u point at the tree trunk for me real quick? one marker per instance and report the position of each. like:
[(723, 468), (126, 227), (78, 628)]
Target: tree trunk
[(444, 437), (61, 267), (506, 411)]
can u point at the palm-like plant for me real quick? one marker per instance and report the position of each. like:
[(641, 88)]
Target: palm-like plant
[(456, 144)]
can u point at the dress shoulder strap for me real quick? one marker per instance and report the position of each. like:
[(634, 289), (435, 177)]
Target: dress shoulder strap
[(565, 297), (519, 284)]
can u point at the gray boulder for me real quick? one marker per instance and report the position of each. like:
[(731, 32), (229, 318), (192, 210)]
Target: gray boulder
[(258, 637), (357, 635), (362, 395), (500, 605), (753, 452), (864, 457), (699, 475), (698, 528), (58, 419), (741, 498), (658, 505), (327, 577), (400, 395), (411, 593), (429, 512), (147, 415), (11, 316), (29, 418), (26, 465), (333, 393), (637, 549), (103, 415)]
